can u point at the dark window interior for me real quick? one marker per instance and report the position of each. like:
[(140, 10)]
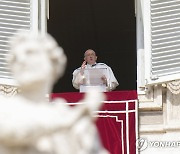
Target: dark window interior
[(108, 27)]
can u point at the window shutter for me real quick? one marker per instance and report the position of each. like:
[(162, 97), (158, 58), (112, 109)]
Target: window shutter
[(164, 41), (14, 16)]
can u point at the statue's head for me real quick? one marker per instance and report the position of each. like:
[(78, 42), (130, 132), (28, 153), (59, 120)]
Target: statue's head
[(36, 59)]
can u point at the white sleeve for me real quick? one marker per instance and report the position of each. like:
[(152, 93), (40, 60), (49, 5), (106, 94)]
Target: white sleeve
[(112, 82)]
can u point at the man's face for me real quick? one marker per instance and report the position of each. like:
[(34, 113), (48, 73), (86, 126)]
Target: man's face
[(90, 57)]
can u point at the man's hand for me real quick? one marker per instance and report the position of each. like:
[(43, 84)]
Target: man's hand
[(104, 79), (83, 67)]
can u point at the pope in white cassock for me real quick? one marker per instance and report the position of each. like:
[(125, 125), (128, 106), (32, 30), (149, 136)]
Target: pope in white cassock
[(82, 77)]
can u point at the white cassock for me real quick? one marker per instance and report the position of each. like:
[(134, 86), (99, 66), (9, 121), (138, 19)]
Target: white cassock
[(78, 78)]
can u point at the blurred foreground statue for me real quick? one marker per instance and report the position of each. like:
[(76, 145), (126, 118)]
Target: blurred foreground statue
[(31, 125)]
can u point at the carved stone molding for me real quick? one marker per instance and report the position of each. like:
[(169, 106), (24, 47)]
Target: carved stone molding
[(152, 100), (8, 90), (174, 86)]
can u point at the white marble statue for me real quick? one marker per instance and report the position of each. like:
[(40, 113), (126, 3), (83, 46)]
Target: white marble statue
[(31, 125)]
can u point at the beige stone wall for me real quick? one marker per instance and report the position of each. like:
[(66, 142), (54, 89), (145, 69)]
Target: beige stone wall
[(159, 124)]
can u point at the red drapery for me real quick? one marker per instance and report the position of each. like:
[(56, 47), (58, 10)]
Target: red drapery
[(117, 119)]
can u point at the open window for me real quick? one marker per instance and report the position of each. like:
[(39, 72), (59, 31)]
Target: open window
[(17, 15), (158, 41)]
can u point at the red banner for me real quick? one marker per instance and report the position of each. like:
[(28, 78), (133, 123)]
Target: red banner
[(117, 124), (117, 120)]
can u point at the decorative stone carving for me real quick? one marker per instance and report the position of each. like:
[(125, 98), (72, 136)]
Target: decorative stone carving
[(7, 90), (174, 86), (31, 125)]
